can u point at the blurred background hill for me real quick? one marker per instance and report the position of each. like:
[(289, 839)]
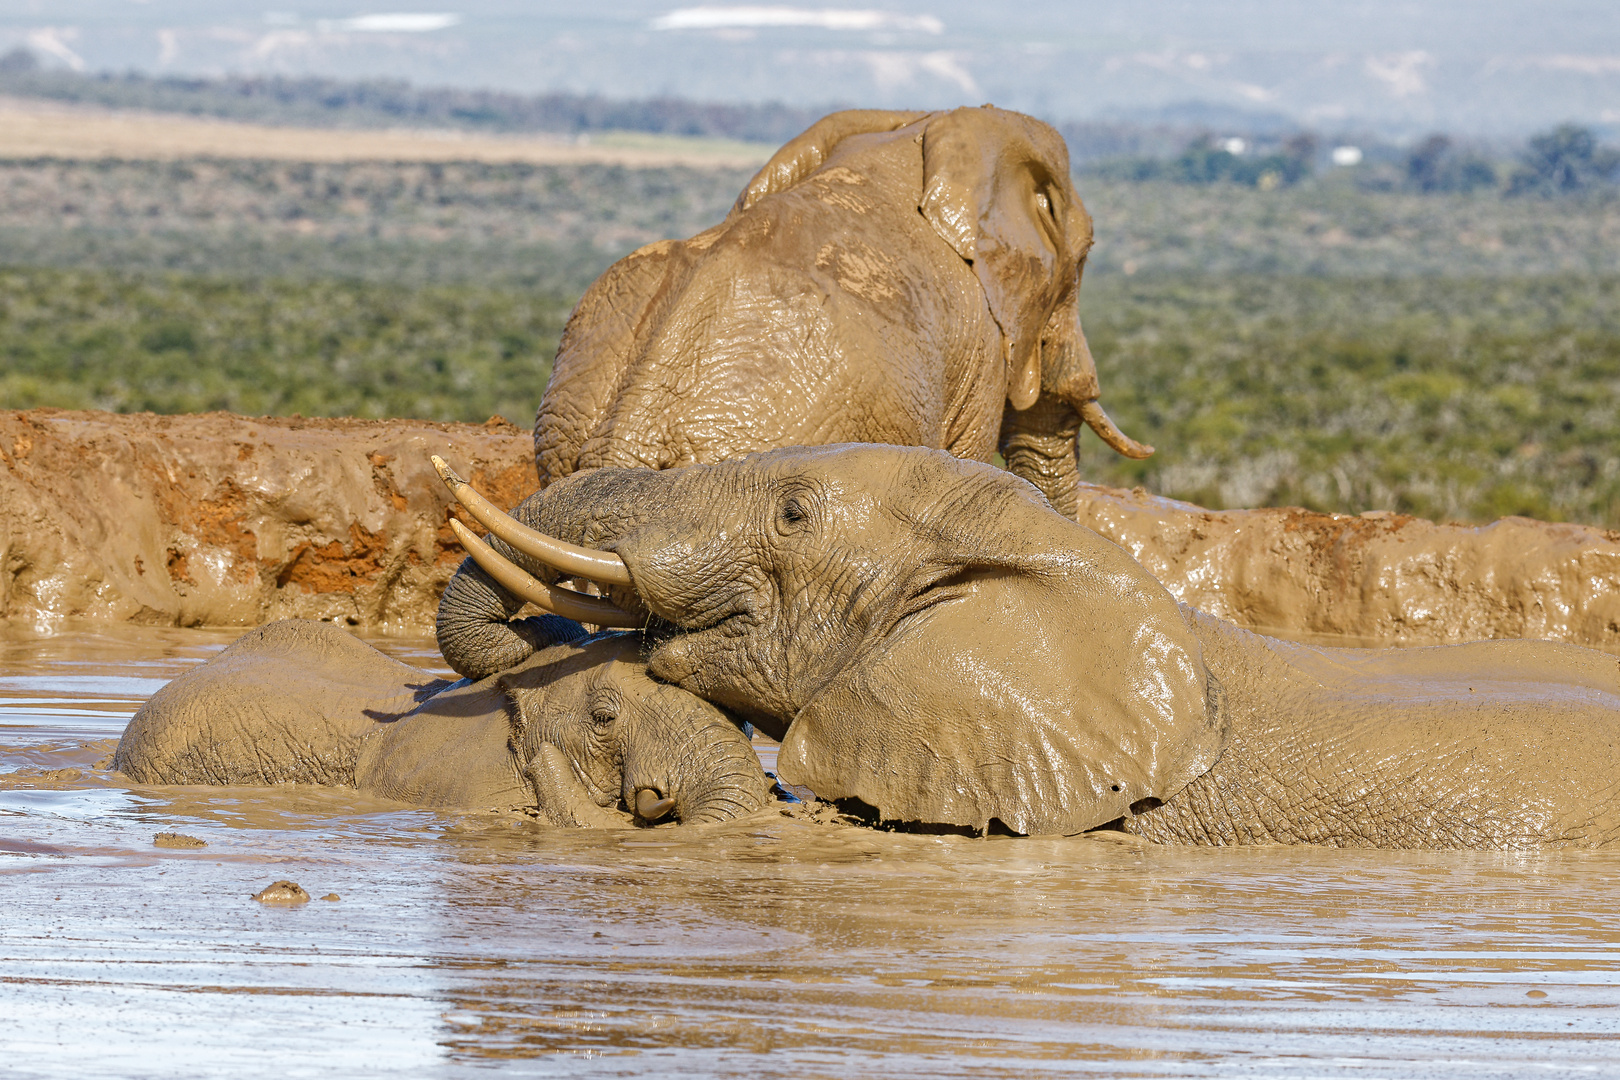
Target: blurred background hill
[(1478, 67), (1322, 277)]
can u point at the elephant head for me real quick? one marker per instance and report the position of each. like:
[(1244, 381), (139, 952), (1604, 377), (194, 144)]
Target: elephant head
[(996, 188), (592, 732), (924, 633)]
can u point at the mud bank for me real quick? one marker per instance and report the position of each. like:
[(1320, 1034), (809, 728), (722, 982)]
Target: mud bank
[(226, 520), (232, 521), (1376, 578)]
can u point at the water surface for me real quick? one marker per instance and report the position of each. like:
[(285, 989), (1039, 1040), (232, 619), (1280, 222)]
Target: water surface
[(771, 947)]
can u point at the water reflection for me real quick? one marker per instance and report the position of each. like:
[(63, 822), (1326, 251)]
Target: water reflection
[(770, 946)]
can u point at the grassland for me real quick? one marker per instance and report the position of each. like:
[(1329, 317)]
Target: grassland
[(1451, 398), (172, 343), (1453, 355)]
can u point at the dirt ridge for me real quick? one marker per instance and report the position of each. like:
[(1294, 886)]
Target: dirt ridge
[(216, 519)]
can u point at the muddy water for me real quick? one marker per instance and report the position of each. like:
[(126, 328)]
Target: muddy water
[(769, 947)]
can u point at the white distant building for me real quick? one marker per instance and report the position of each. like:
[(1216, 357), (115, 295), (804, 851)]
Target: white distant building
[(1347, 155)]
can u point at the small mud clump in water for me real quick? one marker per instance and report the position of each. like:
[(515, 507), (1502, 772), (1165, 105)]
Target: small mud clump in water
[(177, 840), (282, 892), (331, 896)]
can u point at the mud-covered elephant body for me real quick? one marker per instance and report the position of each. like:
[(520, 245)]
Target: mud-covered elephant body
[(888, 277), (577, 732), (929, 637)]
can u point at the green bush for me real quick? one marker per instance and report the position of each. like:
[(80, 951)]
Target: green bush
[(1450, 399), (177, 344)]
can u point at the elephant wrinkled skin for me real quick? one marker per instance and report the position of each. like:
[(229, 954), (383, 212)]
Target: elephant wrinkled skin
[(571, 733), (928, 636), (892, 277)]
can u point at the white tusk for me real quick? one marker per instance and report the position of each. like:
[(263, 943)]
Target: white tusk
[(575, 561), (1097, 420), (553, 598)]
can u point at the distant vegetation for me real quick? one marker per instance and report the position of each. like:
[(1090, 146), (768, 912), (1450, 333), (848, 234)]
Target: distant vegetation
[(1405, 334), (392, 103), (1454, 399), (554, 228), (94, 339), (1565, 161)]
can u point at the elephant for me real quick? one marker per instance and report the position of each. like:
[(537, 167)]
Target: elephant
[(930, 639), (577, 734), (892, 277), (889, 277)]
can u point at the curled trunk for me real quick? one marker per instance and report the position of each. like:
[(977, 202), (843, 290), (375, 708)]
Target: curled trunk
[(477, 633), (476, 630)]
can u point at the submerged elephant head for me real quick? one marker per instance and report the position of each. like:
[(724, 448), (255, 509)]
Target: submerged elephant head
[(926, 634), (591, 730), (573, 732)]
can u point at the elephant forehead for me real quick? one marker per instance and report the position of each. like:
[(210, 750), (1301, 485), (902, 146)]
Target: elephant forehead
[(1050, 709), (871, 467)]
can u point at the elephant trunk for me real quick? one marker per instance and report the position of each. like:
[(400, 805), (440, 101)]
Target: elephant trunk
[(688, 757), (1039, 443), (477, 633)]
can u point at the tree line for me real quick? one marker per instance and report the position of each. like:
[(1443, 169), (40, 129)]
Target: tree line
[(1563, 161)]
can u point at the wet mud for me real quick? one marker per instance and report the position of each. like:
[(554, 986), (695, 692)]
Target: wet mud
[(220, 520), (783, 944)]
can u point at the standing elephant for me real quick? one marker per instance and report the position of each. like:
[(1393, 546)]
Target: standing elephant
[(577, 733), (889, 277), (927, 636)]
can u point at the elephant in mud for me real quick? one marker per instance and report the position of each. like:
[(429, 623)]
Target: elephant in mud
[(887, 277), (577, 734), (928, 637)]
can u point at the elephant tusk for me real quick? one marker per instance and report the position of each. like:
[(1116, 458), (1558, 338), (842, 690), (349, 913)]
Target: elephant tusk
[(650, 806), (1097, 420), (602, 566), (555, 599)]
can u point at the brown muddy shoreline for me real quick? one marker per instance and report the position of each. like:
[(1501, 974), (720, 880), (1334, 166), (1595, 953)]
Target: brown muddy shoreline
[(221, 520)]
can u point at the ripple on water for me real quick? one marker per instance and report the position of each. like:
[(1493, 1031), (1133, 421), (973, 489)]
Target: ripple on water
[(763, 947)]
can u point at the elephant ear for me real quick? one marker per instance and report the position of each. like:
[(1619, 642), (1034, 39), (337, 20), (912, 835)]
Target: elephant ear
[(805, 153), (996, 188), (1052, 701)]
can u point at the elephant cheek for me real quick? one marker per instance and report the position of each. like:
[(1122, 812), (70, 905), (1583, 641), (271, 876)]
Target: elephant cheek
[(1006, 705)]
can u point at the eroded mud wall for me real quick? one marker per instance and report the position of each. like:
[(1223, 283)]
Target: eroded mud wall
[(1381, 578), (227, 520)]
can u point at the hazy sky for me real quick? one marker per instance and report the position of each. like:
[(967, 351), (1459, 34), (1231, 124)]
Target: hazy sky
[(1487, 66)]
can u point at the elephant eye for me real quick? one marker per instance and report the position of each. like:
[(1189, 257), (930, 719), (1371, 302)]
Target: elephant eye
[(793, 513), (1043, 201), (796, 508)]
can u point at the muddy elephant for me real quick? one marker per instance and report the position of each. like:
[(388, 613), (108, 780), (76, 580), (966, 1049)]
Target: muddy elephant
[(928, 637), (890, 277), (577, 734)]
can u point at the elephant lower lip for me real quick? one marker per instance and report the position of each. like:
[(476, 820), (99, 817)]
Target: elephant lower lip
[(737, 608)]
